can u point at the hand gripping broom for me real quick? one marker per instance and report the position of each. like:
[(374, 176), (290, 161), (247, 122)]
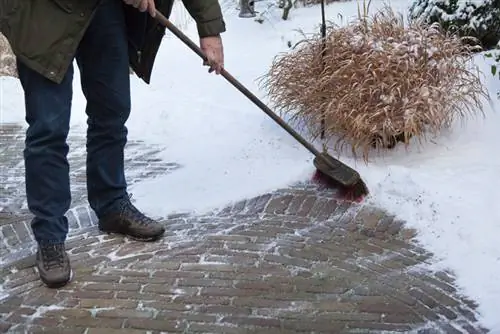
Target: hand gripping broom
[(330, 171)]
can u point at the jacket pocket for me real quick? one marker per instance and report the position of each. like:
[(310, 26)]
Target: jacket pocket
[(65, 5), (7, 7)]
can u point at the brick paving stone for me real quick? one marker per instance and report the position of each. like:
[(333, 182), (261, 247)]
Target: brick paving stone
[(291, 261)]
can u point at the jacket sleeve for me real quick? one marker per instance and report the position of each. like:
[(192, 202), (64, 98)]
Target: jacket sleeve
[(208, 16)]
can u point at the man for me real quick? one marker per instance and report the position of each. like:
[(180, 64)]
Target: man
[(105, 37)]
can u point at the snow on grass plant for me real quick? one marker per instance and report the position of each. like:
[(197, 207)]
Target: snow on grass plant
[(306, 3), (477, 18), (7, 59), (494, 55), (378, 82)]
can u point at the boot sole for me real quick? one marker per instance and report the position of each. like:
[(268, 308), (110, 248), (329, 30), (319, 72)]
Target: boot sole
[(56, 285), (145, 239)]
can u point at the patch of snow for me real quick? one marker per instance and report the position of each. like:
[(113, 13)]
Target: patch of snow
[(11, 101), (95, 310), (3, 293), (113, 256), (475, 13), (41, 310), (448, 191)]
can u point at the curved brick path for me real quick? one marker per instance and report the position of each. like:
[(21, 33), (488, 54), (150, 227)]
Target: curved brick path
[(294, 261)]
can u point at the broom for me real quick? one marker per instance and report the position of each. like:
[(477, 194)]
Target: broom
[(330, 171), (319, 177)]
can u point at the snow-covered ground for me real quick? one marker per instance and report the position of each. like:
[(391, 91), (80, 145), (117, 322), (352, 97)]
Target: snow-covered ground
[(230, 150)]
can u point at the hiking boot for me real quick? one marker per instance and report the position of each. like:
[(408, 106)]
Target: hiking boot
[(53, 265), (129, 221)]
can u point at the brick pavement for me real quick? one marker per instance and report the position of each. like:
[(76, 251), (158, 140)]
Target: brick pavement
[(293, 261), (17, 241)]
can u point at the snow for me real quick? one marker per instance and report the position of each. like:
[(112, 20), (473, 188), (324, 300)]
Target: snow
[(448, 190), (3, 294), (230, 150), (474, 12)]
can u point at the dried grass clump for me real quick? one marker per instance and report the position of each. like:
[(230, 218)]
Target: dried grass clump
[(307, 3), (380, 82), (7, 59)]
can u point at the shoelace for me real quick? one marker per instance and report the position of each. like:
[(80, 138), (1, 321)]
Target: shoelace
[(53, 256), (127, 209)]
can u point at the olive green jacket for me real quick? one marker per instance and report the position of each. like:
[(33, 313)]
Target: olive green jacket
[(45, 34)]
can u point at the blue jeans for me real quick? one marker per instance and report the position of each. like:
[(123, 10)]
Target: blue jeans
[(102, 58)]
